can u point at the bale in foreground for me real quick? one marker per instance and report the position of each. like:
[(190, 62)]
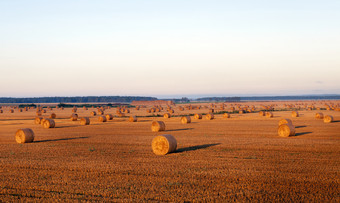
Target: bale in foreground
[(24, 135), (286, 130), (164, 144)]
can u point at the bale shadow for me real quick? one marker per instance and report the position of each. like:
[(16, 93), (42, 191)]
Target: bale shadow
[(62, 139), (301, 126), (179, 129), (68, 126), (303, 133), (143, 120), (335, 121), (193, 148)]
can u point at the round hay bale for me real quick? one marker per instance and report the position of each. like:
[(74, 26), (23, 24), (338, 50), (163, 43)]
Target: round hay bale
[(198, 116), (74, 110), (157, 126), (1, 111), (74, 117), (319, 115), (328, 119), (285, 121), (85, 121), (295, 114), (185, 119), (133, 119), (49, 123), (42, 121), (93, 113), (121, 115), (261, 113), (211, 110), (39, 113), (100, 112), (164, 144), (226, 115), (167, 115), (269, 114), (109, 116), (37, 120), (209, 116), (102, 119), (171, 111), (241, 111), (286, 130), (44, 111), (127, 111), (24, 135), (53, 115)]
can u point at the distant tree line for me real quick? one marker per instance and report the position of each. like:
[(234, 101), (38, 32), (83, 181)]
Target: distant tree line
[(88, 99), (284, 98), (219, 99)]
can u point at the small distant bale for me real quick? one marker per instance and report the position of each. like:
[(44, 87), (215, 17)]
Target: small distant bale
[(37, 120), (38, 113), (49, 123), (93, 113), (269, 114), (295, 114), (157, 126), (241, 111), (226, 115), (74, 117), (121, 114), (185, 119), (285, 121), (24, 135), (1, 111), (85, 121), (286, 130), (261, 113), (102, 118), (211, 110), (100, 112), (127, 111), (53, 115), (74, 110), (109, 116), (171, 111), (167, 115), (328, 119), (164, 144), (198, 116), (319, 115), (133, 119), (209, 116)]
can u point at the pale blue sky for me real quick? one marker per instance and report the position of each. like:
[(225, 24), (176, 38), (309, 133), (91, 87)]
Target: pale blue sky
[(161, 48)]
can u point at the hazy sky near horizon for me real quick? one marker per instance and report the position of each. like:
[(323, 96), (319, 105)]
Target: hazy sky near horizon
[(161, 48)]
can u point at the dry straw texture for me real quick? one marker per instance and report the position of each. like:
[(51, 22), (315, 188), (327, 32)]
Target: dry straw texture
[(285, 121), (164, 144), (269, 114), (185, 119), (53, 115), (85, 121), (286, 130), (102, 119), (109, 116), (133, 119), (319, 115), (24, 135), (226, 115), (37, 120), (157, 126), (74, 117), (209, 116), (328, 119), (261, 113), (93, 113), (49, 123), (295, 114), (198, 116), (167, 115)]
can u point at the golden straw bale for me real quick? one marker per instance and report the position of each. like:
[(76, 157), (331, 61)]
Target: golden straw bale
[(133, 119), (42, 121), (157, 126), (241, 111), (49, 123), (262, 113), (319, 115), (121, 114), (53, 115), (85, 121), (285, 121), (185, 119), (102, 119), (209, 116), (167, 115), (295, 114), (127, 111), (24, 135), (37, 120), (211, 110), (100, 112), (109, 116), (164, 144), (328, 119), (286, 130), (171, 111), (198, 116), (74, 117), (39, 113), (43, 111), (269, 114), (93, 113), (1, 111), (226, 115)]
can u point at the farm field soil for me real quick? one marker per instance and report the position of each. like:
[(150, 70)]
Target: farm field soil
[(241, 158)]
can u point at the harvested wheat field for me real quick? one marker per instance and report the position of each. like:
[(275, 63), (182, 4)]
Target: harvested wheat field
[(241, 158)]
